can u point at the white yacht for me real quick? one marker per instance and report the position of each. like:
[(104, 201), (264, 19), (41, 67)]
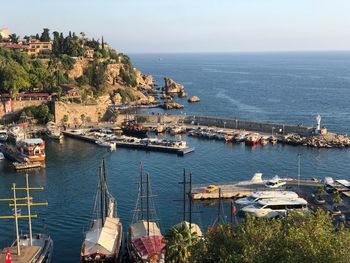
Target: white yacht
[(257, 196), (275, 182), (275, 207)]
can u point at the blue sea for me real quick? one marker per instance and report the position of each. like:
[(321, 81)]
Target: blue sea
[(279, 87)]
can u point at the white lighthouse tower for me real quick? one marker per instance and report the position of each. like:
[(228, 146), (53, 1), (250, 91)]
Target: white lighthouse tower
[(318, 124)]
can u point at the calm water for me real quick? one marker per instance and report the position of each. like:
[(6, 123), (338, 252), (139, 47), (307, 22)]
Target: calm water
[(278, 87)]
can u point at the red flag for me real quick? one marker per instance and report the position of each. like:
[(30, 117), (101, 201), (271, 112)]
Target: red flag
[(234, 209), (8, 256)]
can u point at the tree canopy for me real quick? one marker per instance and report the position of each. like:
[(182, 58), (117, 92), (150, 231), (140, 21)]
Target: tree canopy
[(295, 239)]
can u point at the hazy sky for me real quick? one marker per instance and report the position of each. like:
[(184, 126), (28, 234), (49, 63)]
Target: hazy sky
[(190, 25)]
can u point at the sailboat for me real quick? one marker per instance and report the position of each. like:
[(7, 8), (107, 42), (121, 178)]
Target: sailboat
[(27, 248), (145, 242), (103, 241), (194, 228)]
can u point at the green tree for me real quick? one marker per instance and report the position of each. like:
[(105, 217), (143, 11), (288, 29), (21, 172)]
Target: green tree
[(45, 35), (13, 78), (180, 242), (296, 238), (14, 38)]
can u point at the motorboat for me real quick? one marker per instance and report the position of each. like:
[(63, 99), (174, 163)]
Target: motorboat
[(239, 138), (264, 140), (275, 207), (252, 139), (260, 195), (275, 182)]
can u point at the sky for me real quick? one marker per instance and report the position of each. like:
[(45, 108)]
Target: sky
[(170, 26)]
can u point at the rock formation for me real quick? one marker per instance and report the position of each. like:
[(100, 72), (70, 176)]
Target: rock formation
[(318, 141), (169, 105), (172, 87), (193, 99)]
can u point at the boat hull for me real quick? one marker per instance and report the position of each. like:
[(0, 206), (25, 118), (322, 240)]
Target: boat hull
[(139, 134), (252, 143), (39, 158)]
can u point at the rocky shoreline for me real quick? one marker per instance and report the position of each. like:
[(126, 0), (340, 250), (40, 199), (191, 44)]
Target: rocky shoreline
[(330, 140)]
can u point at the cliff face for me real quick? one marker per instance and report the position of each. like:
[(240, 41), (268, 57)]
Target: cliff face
[(145, 81), (78, 68), (115, 86), (112, 72)]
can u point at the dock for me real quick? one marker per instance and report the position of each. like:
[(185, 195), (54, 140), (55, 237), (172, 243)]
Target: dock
[(158, 148), (132, 145), (236, 190), (27, 165)]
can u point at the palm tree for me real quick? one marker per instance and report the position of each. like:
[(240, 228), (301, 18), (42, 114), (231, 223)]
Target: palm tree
[(336, 200), (180, 241), (320, 192)]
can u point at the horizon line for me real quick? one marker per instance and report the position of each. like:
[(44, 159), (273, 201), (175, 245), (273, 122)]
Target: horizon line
[(236, 52)]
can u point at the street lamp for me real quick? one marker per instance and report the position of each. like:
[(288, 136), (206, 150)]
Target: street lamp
[(224, 124)]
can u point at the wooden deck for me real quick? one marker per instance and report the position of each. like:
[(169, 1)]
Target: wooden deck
[(27, 254)]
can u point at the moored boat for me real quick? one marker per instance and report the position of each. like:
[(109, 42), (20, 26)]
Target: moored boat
[(32, 150), (27, 248), (133, 128), (273, 139), (53, 132), (264, 140), (16, 133), (239, 138), (252, 139), (145, 242), (103, 241)]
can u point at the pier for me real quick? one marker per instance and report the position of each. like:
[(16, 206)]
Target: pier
[(236, 190), (133, 145)]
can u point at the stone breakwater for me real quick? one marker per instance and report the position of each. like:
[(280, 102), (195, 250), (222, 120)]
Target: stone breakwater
[(330, 140), (288, 134), (258, 126)]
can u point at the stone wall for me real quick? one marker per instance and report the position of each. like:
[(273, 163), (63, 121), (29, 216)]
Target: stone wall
[(258, 126), (75, 111), (18, 106)]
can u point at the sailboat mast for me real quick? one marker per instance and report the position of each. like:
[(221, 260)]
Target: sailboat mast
[(147, 181), (101, 196), (219, 208), (184, 196), (29, 213), (106, 199), (141, 191), (16, 219), (190, 201)]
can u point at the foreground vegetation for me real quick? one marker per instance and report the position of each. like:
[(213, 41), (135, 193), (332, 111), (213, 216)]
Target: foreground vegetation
[(295, 239)]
